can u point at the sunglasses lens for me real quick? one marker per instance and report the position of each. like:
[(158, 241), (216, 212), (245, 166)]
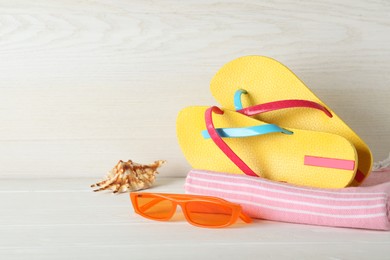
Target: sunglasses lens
[(208, 213), (154, 206)]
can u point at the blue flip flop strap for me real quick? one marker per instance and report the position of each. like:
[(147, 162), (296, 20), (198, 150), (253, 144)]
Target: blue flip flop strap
[(247, 131), (237, 98)]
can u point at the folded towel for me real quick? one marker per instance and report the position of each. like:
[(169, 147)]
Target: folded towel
[(364, 207)]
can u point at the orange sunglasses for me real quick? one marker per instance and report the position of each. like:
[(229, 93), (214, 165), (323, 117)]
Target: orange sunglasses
[(201, 211)]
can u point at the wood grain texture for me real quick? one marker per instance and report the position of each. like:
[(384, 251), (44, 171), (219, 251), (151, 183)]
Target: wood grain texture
[(86, 83), (63, 219)]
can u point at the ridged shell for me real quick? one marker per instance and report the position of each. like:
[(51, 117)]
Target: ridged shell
[(129, 176)]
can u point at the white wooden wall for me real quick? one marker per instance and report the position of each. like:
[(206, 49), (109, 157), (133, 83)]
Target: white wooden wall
[(86, 83)]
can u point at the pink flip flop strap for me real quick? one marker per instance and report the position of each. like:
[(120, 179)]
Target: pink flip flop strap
[(222, 145), (282, 104), (359, 177)]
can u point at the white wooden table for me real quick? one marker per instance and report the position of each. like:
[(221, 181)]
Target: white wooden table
[(64, 219), (84, 84)]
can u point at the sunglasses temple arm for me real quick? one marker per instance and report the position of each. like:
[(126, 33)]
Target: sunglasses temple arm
[(245, 218)]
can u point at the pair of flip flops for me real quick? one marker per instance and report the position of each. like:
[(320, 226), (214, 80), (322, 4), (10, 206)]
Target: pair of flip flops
[(272, 126)]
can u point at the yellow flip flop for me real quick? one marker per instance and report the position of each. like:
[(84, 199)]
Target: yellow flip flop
[(270, 86), (235, 143)]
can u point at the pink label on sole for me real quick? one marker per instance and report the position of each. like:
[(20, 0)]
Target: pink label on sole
[(329, 162)]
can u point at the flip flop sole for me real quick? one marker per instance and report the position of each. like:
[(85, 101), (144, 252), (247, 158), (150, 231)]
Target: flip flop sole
[(304, 158), (267, 80)]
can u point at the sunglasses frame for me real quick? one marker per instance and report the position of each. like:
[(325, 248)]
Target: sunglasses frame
[(182, 200)]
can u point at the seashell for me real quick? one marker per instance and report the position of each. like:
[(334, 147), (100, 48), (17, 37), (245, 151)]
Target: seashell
[(129, 176)]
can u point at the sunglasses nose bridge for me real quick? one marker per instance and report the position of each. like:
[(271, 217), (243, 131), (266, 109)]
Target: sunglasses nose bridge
[(174, 209), (183, 205)]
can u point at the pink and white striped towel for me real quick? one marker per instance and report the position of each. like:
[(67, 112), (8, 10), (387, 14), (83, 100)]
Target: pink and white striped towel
[(364, 207)]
